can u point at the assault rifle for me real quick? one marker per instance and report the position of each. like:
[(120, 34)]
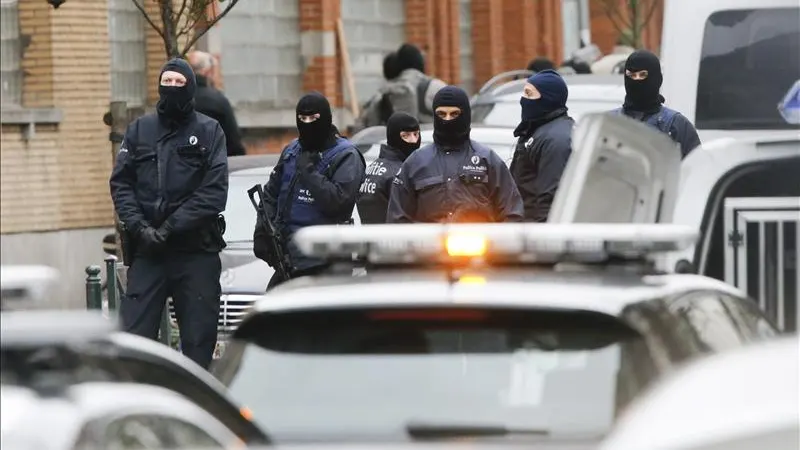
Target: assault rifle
[(282, 259)]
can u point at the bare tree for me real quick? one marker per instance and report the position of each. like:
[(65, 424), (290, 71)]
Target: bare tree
[(630, 17), (188, 21)]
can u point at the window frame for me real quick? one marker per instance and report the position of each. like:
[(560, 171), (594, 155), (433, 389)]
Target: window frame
[(14, 55)]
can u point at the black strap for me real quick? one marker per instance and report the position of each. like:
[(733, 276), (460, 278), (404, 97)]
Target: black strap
[(422, 89)]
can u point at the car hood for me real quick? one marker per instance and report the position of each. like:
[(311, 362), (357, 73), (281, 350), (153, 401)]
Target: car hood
[(249, 278)]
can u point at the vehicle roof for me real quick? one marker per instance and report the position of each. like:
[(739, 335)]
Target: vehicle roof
[(35, 328), (239, 163), (741, 392), (575, 83), (582, 92), (596, 291)]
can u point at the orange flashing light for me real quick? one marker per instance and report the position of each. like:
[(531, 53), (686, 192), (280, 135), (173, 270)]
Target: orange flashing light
[(246, 413), (466, 245)]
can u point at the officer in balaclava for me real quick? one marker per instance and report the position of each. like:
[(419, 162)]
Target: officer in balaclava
[(454, 178), (315, 182), (402, 138), (419, 88), (643, 101), (544, 142), (169, 186)]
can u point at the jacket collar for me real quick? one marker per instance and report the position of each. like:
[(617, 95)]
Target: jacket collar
[(530, 126), (392, 154)]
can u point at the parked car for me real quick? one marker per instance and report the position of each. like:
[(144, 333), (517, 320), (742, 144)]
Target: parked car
[(739, 400), (587, 94), (95, 415), (73, 347)]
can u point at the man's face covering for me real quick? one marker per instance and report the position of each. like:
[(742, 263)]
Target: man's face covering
[(452, 116), (643, 81), (314, 121), (176, 90)]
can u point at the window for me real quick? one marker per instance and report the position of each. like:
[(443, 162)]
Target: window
[(749, 60), (317, 375), (126, 30), (145, 431), (10, 53), (711, 321), (465, 45)]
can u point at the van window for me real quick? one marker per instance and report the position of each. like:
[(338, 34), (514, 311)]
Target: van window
[(750, 59)]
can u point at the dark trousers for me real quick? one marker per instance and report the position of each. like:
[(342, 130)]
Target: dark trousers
[(192, 280), (276, 280)]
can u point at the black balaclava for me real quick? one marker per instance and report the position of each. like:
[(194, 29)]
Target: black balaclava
[(410, 57), (401, 121), (315, 135), (554, 96), (643, 95), (390, 70), (454, 132), (176, 103)]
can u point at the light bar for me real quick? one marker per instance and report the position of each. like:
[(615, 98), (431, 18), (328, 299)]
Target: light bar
[(508, 242)]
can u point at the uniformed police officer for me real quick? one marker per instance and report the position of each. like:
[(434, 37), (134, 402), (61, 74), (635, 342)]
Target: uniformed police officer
[(402, 138), (643, 101), (455, 178), (169, 185), (315, 182)]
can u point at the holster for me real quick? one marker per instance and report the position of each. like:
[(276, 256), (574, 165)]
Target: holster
[(128, 245)]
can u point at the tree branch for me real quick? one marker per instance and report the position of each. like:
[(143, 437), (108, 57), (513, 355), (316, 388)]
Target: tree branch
[(194, 14), (611, 12), (148, 19), (196, 37), (649, 14)]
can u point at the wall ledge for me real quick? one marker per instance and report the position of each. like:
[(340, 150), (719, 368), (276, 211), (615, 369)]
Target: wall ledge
[(29, 118)]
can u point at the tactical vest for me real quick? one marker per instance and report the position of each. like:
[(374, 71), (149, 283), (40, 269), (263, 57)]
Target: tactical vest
[(296, 205), (662, 120)]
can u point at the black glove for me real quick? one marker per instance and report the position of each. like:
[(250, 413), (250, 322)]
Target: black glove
[(261, 244), (307, 160), (152, 240)]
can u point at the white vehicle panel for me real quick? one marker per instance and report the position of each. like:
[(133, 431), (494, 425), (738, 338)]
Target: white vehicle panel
[(621, 171)]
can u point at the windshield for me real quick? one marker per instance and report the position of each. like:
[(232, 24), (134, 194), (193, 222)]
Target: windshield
[(240, 216), (508, 113), (335, 376)]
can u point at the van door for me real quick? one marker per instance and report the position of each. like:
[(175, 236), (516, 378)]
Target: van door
[(620, 171)]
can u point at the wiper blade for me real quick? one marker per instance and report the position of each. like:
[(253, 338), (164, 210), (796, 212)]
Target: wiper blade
[(424, 430)]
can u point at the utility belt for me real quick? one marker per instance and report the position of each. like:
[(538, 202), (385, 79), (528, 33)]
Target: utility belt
[(208, 237)]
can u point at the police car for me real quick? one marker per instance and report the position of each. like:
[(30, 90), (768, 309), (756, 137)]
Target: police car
[(65, 349), (513, 332)]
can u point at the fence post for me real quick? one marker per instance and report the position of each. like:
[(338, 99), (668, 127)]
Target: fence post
[(94, 292), (165, 332), (111, 283)]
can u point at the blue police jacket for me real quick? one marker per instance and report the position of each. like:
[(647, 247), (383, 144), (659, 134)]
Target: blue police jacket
[(439, 184)]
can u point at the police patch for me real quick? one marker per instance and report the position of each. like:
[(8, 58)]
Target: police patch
[(192, 140), (475, 159)]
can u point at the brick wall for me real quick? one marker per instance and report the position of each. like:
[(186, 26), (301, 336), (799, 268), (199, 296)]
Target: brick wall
[(605, 34), (59, 179)]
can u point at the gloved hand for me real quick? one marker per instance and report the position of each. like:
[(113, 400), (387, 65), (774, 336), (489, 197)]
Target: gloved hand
[(307, 160), (152, 241)]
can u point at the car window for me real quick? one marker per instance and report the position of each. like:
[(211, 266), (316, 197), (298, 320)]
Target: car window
[(144, 431), (711, 320), (749, 61), (240, 216), (751, 321), (319, 375)]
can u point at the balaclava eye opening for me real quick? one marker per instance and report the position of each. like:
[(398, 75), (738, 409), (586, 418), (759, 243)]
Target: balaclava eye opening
[(176, 103), (553, 92), (410, 57), (398, 122), (643, 95), (454, 132), (315, 135)]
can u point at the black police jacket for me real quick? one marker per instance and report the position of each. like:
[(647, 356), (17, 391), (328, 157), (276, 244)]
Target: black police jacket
[(470, 183), (173, 176), (540, 157), (214, 104), (373, 200)]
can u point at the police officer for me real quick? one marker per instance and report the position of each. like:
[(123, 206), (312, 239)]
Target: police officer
[(316, 182), (643, 102), (544, 143), (402, 138), (455, 178), (169, 185)]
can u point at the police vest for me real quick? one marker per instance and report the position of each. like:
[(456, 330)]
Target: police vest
[(662, 120), (296, 205)]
